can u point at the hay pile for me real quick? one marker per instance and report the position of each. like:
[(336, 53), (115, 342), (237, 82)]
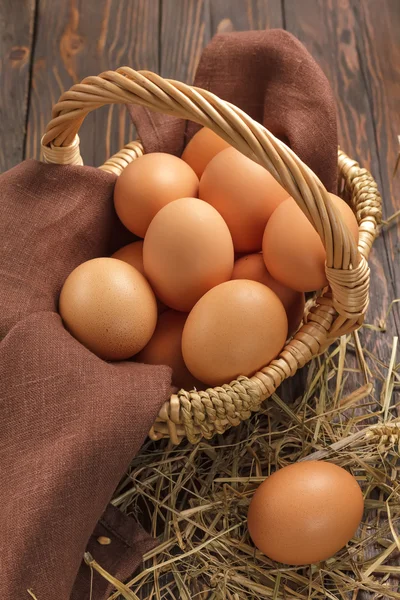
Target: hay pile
[(195, 498)]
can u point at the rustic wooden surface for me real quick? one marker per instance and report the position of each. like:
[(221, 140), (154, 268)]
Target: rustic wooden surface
[(47, 45), (16, 43)]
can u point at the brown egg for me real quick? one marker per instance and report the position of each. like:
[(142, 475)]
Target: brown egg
[(292, 249), (187, 250), (149, 183), (235, 329), (252, 267), (109, 307), (244, 193), (165, 348), (204, 145), (132, 254), (304, 513)]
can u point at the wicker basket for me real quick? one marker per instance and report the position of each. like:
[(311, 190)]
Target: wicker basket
[(337, 310)]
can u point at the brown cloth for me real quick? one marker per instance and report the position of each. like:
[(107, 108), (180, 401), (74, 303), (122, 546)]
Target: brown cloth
[(70, 423), (271, 76)]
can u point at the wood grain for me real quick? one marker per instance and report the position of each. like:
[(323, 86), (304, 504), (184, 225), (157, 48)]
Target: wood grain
[(16, 33), (329, 30), (180, 52), (86, 39), (379, 53), (242, 15), (198, 20)]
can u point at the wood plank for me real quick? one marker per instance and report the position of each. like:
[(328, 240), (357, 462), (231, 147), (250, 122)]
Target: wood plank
[(86, 39), (16, 36), (198, 21), (328, 30), (241, 15), (377, 28), (180, 52)]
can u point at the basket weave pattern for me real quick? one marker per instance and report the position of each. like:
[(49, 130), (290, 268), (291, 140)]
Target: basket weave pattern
[(337, 310)]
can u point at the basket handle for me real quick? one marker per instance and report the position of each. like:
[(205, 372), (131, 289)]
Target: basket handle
[(346, 269)]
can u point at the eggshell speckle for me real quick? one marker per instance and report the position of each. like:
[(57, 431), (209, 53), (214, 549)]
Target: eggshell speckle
[(201, 149), (109, 307), (292, 249), (305, 512), (234, 329), (187, 250), (253, 267), (244, 193), (149, 183)]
